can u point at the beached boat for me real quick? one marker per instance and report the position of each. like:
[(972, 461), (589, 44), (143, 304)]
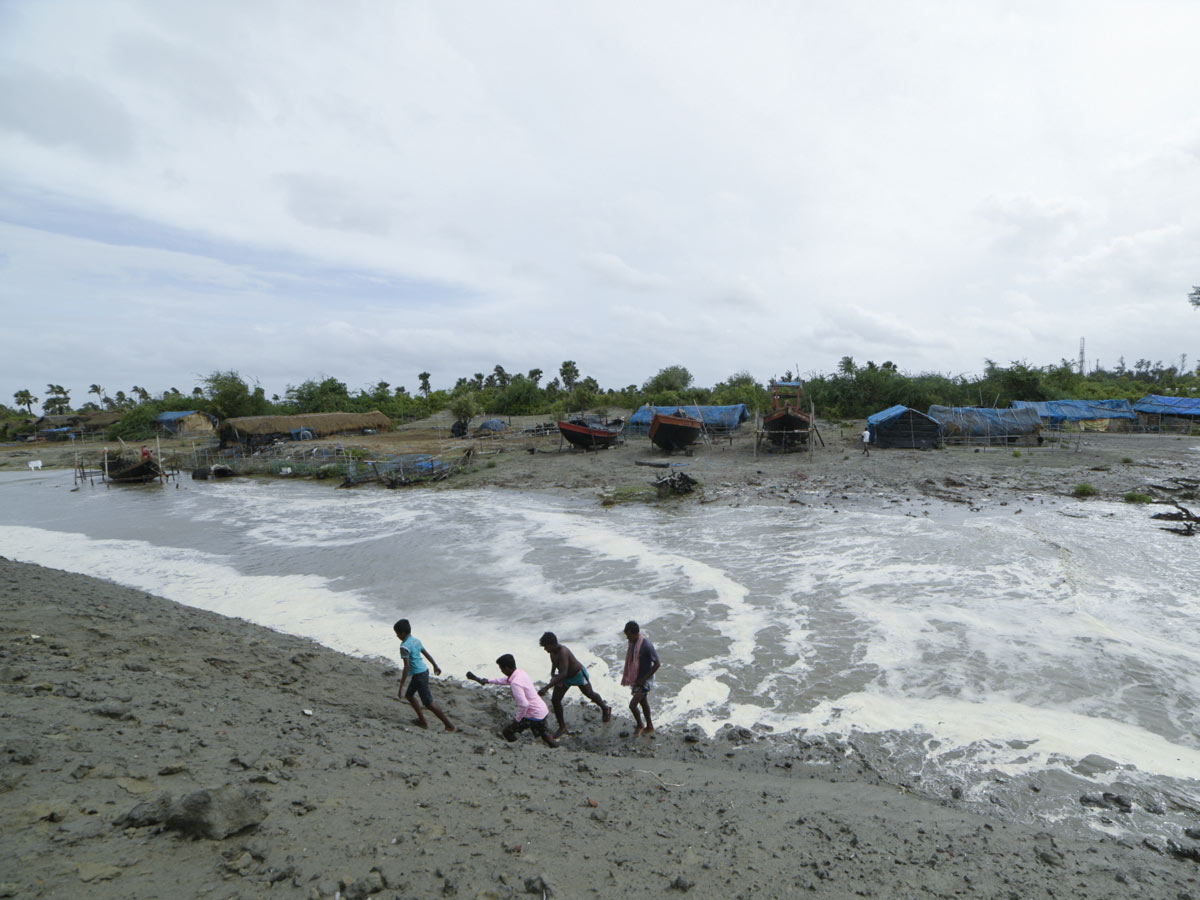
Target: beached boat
[(591, 435), (123, 470), (674, 431), (788, 424)]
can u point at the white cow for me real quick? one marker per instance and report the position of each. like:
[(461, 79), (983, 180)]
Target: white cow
[(35, 464)]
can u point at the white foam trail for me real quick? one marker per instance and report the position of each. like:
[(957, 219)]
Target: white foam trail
[(958, 725), (304, 605)]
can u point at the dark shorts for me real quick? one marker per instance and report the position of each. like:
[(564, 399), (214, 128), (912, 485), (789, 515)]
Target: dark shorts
[(579, 679), (419, 684), (537, 726)]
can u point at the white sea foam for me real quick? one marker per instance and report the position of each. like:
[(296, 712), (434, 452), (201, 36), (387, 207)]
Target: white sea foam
[(1075, 632)]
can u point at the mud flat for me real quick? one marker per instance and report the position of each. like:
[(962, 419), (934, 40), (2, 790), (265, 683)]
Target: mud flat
[(154, 750)]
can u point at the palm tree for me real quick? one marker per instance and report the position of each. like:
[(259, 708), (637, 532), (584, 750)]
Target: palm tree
[(59, 401), (25, 399), (569, 372), (98, 391)]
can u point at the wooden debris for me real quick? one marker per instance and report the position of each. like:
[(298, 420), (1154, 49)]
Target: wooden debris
[(675, 483), (1188, 519)]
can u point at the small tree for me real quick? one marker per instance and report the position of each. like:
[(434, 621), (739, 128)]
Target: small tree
[(676, 379), (464, 407), (1194, 297)]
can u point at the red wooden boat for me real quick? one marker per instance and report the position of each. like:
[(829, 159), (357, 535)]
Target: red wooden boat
[(591, 435), (674, 431), (787, 424)]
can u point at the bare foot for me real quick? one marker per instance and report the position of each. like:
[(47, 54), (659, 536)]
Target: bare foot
[(451, 728), (639, 731), (420, 723), (561, 731), (607, 717), (649, 729)]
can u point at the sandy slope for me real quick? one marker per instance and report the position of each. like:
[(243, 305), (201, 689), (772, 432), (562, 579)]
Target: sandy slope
[(112, 697)]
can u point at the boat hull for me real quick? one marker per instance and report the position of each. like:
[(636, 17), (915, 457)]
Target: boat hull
[(787, 427), (138, 472), (674, 432), (589, 437)]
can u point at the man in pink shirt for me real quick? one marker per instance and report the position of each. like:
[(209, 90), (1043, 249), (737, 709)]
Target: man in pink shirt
[(531, 709)]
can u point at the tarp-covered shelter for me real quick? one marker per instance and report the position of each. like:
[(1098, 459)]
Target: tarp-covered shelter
[(186, 423), (899, 426), (1088, 415), (1156, 411), (491, 425), (985, 425), (255, 431), (716, 419)]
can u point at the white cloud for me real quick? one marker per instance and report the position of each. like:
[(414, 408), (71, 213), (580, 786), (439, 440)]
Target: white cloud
[(369, 189)]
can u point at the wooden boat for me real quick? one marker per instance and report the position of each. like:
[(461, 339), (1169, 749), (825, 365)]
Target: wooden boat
[(788, 424), (591, 435), (122, 470), (674, 431)]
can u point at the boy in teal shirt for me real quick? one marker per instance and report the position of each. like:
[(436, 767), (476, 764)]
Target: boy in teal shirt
[(411, 651)]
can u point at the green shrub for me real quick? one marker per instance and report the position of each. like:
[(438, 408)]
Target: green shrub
[(1128, 460), (1135, 497), (1085, 490), (491, 464), (1017, 454)]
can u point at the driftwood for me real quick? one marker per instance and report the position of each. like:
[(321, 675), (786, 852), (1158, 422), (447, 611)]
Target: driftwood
[(653, 463), (1188, 519), (675, 483)]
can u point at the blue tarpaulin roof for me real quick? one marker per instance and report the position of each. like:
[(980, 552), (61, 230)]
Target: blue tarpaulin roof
[(1077, 410), (1156, 404), (885, 416), (714, 417), (982, 421), (173, 416), (492, 425)]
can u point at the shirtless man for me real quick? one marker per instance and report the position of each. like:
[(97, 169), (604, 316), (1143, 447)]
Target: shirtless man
[(567, 672)]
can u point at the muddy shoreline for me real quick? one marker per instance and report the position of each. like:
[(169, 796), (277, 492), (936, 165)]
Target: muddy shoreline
[(118, 705), (1163, 467)]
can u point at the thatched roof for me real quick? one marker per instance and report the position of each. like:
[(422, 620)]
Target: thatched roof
[(103, 419), (318, 423)]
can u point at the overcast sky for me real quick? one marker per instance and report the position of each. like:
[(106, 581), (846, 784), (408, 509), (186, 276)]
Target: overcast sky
[(371, 190)]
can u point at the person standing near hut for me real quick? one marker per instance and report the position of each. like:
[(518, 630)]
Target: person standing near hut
[(866, 440), (641, 662)]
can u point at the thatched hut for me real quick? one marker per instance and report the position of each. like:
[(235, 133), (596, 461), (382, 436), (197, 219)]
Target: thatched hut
[(255, 431), (188, 423), (96, 422)]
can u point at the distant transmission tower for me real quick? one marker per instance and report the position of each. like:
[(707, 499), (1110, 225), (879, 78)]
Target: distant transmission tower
[(1082, 359)]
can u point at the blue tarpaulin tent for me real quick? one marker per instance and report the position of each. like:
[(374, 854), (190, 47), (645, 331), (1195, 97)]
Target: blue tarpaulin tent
[(1055, 412), (899, 426), (716, 419), (491, 425), (1155, 404), (987, 424)]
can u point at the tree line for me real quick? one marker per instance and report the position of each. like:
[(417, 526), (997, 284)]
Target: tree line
[(851, 391)]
